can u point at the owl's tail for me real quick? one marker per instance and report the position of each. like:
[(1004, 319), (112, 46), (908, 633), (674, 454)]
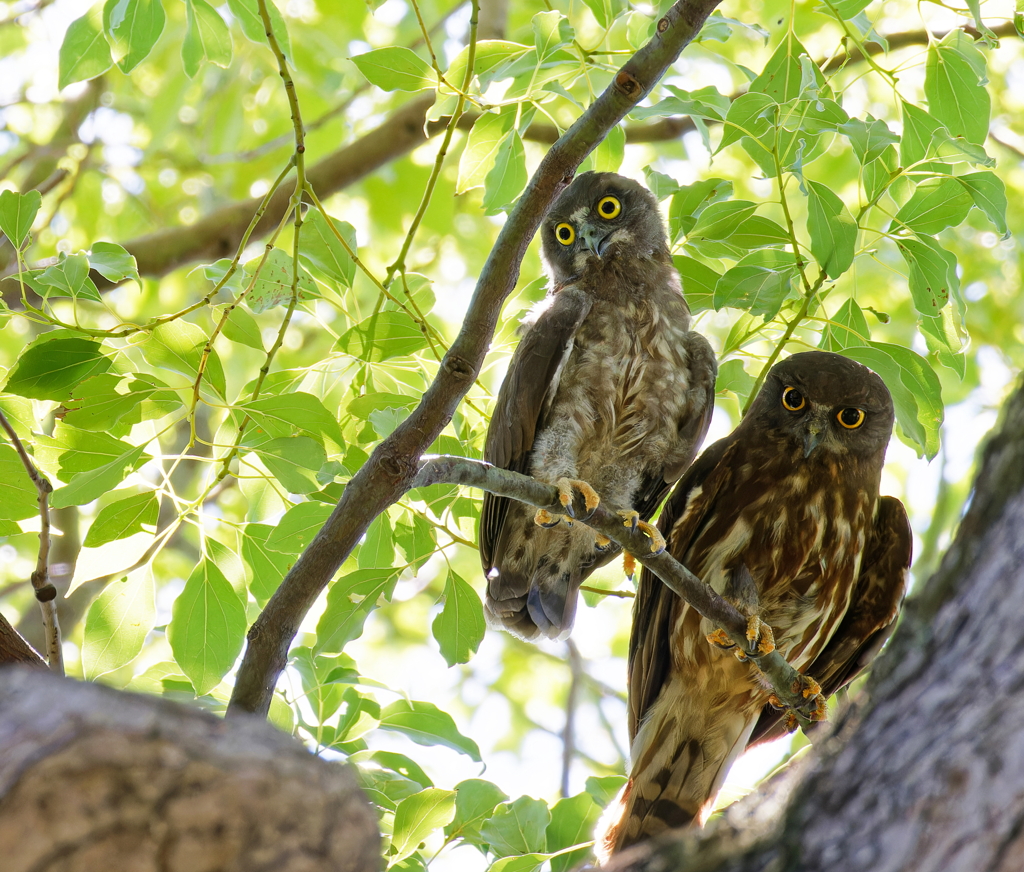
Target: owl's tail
[(681, 756)]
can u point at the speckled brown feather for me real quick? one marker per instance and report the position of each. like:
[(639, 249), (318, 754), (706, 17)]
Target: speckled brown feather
[(828, 559), (608, 385)]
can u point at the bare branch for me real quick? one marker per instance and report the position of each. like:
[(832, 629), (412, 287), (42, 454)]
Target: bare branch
[(46, 593), (394, 463)]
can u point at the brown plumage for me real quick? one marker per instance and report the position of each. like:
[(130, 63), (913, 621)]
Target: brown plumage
[(608, 385), (783, 517)]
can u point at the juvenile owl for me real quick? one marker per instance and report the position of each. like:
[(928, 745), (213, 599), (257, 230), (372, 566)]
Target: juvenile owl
[(608, 393), (782, 517)]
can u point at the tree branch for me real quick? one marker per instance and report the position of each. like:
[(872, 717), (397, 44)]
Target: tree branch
[(394, 463)]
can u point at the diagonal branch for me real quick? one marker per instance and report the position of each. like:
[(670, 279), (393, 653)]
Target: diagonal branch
[(606, 520), (392, 467)]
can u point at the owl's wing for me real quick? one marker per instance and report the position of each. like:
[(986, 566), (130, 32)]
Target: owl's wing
[(870, 618), (655, 606), (692, 427), (530, 384)]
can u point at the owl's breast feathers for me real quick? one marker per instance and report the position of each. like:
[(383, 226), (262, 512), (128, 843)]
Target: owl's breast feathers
[(800, 534)]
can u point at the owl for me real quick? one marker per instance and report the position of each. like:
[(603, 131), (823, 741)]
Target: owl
[(783, 518), (608, 395)]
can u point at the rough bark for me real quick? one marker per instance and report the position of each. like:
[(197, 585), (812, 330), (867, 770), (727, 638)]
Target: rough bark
[(93, 779), (926, 772)]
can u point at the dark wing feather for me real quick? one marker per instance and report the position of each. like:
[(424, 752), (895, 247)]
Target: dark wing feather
[(869, 620), (650, 650), (530, 383)]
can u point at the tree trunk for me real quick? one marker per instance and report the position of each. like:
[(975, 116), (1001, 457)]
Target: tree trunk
[(926, 771), (93, 779)]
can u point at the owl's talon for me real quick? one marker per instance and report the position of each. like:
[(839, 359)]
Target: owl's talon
[(631, 519), (566, 486), (602, 542), (628, 564), (721, 639), (806, 687), (775, 702), (544, 518)]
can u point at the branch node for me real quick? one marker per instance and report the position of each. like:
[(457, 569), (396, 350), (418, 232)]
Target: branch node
[(627, 85), (662, 25), (46, 593), (459, 367)]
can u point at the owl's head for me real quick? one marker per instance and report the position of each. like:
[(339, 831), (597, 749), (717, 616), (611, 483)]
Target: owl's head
[(827, 402), (596, 216)]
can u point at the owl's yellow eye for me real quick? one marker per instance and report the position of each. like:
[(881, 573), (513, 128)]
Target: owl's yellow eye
[(792, 399), (851, 418), (609, 207), (565, 234)]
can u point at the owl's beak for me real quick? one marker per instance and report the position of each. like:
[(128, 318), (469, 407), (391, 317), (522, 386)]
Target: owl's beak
[(814, 432), (594, 238)]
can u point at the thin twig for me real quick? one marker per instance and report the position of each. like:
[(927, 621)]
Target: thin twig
[(46, 593), (571, 699)]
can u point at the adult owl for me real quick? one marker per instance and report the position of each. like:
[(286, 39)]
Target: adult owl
[(782, 517), (609, 392)]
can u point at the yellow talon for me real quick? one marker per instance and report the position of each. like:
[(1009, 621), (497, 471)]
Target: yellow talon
[(566, 486), (631, 519), (765, 640), (628, 564), (602, 541), (807, 687), (544, 518), (753, 628), (720, 639)]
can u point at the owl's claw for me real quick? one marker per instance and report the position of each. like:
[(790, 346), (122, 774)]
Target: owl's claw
[(631, 519), (760, 636), (721, 639), (628, 564), (544, 518), (566, 486)]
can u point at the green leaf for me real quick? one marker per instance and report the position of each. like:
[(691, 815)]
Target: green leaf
[(481, 151), (378, 546), (573, 820), (268, 566), (879, 173), (758, 283), (989, 194), (935, 205), (111, 403), (507, 178), (297, 527), (733, 377), (178, 346), (297, 412), (832, 228), (915, 389), (382, 337), (459, 628), (17, 212), (362, 406), (918, 129), (396, 68), (783, 76), (84, 54), (52, 365), (117, 623), (475, 800), (869, 138), (206, 38), (604, 788), (691, 200), (417, 540), (294, 461), (518, 827), (349, 600), (607, 157), (113, 262), (954, 84), (520, 863), (242, 328), (272, 281), (605, 11), (248, 15), (322, 250), (207, 627), (721, 220), (417, 817), (68, 277), (404, 766), (123, 517), (702, 103), (847, 9), (750, 114), (426, 724), (932, 273), (134, 27), (491, 54), (699, 282), (88, 486), (20, 497), (848, 327), (551, 30)]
